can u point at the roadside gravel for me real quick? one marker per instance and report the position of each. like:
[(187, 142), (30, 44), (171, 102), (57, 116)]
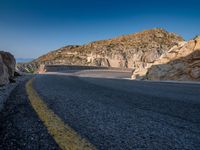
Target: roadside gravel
[(7, 89)]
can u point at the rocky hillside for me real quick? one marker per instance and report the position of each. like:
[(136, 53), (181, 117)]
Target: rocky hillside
[(181, 62), (7, 67), (128, 51)]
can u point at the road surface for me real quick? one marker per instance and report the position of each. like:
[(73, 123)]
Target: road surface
[(116, 114)]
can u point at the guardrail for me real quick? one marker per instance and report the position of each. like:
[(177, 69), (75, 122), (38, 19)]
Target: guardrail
[(54, 68)]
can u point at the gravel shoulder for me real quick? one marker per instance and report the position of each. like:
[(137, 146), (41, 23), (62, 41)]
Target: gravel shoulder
[(6, 90)]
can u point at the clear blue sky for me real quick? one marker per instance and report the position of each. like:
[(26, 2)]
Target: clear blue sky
[(29, 28)]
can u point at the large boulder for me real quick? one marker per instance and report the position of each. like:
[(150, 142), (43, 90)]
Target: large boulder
[(181, 62), (7, 67)]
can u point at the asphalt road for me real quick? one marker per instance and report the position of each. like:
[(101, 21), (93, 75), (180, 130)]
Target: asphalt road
[(111, 114), (116, 114), (20, 127)]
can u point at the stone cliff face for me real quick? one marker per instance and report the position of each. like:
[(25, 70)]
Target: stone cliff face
[(128, 51), (181, 62), (7, 67)]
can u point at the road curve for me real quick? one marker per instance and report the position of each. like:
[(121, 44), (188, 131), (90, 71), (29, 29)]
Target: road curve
[(120, 114)]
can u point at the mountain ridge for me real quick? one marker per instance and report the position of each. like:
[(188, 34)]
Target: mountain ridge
[(126, 51)]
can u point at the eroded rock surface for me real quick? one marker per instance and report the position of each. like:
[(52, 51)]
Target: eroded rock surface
[(181, 62)]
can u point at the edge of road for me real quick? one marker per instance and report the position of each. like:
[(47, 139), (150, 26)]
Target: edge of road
[(166, 81), (152, 81), (6, 90)]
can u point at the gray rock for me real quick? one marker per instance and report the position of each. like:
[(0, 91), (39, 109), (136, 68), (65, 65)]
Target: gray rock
[(7, 67), (181, 62)]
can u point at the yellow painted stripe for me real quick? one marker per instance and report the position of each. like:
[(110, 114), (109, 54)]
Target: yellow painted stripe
[(64, 135)]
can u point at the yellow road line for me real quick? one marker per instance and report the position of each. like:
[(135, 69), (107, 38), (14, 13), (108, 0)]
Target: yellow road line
[(64, 135)]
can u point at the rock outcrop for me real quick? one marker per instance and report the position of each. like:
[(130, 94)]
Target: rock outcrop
[(181, 62), (27, 67), (128, 51), (7, 67)]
